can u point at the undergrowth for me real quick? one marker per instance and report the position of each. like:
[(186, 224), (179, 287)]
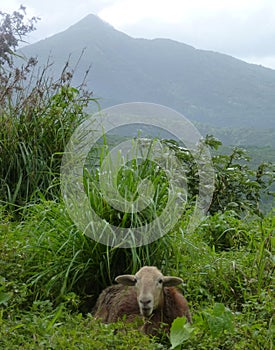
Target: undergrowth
[(49, 268)]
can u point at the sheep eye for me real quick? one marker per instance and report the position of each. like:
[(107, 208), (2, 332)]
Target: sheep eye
[(160, 280)]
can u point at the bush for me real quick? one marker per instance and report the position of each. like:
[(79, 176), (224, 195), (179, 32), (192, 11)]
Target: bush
[(239, 185)]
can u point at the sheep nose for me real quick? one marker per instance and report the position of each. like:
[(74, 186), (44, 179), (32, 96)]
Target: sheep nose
[(145, 302)]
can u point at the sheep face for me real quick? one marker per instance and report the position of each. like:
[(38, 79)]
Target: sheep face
[(149, 283)]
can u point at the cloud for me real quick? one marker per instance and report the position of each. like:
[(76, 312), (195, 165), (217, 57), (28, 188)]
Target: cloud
[(240, 28), (125, 12), (219, 23)]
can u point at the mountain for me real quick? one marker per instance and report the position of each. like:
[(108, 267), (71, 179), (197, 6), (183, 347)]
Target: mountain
[(205, 86)]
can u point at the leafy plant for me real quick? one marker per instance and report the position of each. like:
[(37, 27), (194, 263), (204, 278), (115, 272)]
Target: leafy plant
[(180, 332), (220, 321)]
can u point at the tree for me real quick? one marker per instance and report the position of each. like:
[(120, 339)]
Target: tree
[(13, 28)]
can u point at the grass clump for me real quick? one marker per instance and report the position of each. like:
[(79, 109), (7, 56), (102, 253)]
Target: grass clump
[(56, 258), (38, 114), (34, 130)]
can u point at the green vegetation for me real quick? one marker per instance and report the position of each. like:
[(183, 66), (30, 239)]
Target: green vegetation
[(51, 273), (46, 328)]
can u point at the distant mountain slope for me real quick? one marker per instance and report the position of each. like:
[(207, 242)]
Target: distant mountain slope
[(205, 86)]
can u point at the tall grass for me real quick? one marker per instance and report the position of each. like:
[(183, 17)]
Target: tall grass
[(60, 259), (126, 185), (37, 116)]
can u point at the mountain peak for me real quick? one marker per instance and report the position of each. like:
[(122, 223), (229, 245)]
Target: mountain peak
[(206, 86), (93, 19), (95, 26)]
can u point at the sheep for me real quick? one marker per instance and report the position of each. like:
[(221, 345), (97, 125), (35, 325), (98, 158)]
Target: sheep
[(147, 295)]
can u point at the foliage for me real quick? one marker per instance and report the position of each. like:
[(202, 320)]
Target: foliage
[(57, 259), (216, 322), (129, 179), (218, 327), (238, 186), (46, 261), (46, 327), (12, 30), (37, 117), (180, 332)]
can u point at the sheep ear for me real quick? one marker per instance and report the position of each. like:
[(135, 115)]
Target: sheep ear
[(169, 281), (126, 280)]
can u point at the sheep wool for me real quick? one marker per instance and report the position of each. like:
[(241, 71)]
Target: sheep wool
[(148, 296)]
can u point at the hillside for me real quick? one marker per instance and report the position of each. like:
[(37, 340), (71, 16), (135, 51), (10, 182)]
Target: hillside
[(205, 86)]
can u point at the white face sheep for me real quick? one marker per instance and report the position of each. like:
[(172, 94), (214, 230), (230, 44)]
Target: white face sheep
[(148, 294)]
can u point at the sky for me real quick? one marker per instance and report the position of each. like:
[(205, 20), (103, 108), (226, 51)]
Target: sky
[(244, 29)]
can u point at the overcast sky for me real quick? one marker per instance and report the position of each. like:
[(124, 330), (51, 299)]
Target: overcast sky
[(242, 28)]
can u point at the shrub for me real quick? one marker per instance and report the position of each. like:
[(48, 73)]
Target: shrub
[(239, 186)]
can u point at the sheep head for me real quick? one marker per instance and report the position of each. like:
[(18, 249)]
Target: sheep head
[(149, 283)]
